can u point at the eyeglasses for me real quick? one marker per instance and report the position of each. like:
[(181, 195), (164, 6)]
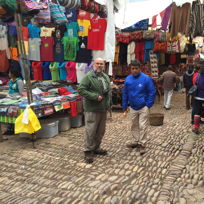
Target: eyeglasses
[(98, 63)]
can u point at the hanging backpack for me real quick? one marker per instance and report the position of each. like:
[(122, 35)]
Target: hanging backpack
[(44, 15), (57, 13)]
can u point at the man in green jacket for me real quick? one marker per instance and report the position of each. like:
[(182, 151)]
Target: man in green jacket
[(96, 90)]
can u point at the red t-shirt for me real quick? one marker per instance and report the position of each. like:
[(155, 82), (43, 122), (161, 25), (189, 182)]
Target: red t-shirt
[(25, 33), (83, 15), (71, 70), (46, 49), (37, 70), (96, 36)]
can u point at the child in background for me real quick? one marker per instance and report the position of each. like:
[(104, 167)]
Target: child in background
[(16, 87)]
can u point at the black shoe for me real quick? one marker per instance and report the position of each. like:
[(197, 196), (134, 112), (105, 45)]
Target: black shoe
[(88, 157), (142, 150), (133, 145), (167, 108), (102, 152), (8, 132), (196, 131)]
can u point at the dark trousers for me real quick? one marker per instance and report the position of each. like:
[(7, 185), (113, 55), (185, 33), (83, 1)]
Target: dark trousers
[(188, 99), (197, 107)]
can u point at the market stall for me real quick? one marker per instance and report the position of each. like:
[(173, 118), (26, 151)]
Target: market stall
[(54, 43), (161, 41)]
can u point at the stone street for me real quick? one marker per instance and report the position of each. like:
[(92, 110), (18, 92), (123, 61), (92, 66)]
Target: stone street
[(171, 171)]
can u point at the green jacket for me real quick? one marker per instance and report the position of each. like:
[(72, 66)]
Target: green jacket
[(91, 88)]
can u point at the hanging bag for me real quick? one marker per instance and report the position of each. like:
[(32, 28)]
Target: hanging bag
[(57, 13), (31, 6), (9, 5), (44, 15)]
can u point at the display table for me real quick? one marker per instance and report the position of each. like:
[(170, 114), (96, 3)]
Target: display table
[(45, 103)]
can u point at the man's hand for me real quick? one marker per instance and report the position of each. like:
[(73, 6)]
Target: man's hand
[(125, 112), (100, 98)]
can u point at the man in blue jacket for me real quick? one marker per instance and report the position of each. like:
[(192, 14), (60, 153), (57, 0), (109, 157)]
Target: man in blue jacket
[(138, 93)]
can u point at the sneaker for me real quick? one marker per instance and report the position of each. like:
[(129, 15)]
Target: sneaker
[(88, 157), (102, 152), (133, 145), (196, 131)]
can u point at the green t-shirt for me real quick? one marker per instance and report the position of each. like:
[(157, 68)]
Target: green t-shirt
[(70, 48), (54, 71)]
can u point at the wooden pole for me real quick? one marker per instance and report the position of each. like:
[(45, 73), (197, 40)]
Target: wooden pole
[(21, 48)]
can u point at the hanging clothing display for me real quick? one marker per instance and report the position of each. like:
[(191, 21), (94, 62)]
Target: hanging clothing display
[(71, 70), (54, 71), (71, 14), (96, 35), (80, 71), (131, 52), (84, 15), (46, 71), (139, 51), (72, 29), (37, 70), (58, 50), (34, 31), (84, 26), (46, 49), (196, 24), (179, 21), (34, 49), (83, 54), (46, 32), (62, 70), (70, 48)]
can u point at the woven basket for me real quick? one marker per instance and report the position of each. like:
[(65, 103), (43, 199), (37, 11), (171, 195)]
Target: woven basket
[(156, 119)]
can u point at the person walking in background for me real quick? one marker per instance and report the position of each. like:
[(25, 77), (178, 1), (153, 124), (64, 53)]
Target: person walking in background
[(138, 93), (169, 83), (188, 83), (96, 89), (198, 100)]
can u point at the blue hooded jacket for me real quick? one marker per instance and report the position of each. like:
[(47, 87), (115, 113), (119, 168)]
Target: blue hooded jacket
[(138, 92)]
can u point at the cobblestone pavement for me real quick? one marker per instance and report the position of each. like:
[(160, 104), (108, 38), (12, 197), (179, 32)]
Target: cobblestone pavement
[(171, 171)]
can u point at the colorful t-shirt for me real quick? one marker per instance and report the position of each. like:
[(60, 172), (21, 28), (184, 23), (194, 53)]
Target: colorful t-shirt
[(70, 48), (34, 31), (46, 49), (71, 70), (58, 50), (25, 33), (72, 29), (71, 14), (34, 49), (37, 70), (46, 32), (83, 15), (80, 70), (96, 36), (54, 71), (63, 71), (46, 71), (84, 26), (83, 54)]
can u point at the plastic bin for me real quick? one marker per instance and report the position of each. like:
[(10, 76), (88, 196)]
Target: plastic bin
[(76, 121), (64, 123)]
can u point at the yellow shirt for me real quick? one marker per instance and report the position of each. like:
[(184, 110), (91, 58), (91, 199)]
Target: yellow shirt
[(84, 26), (46, 32)]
